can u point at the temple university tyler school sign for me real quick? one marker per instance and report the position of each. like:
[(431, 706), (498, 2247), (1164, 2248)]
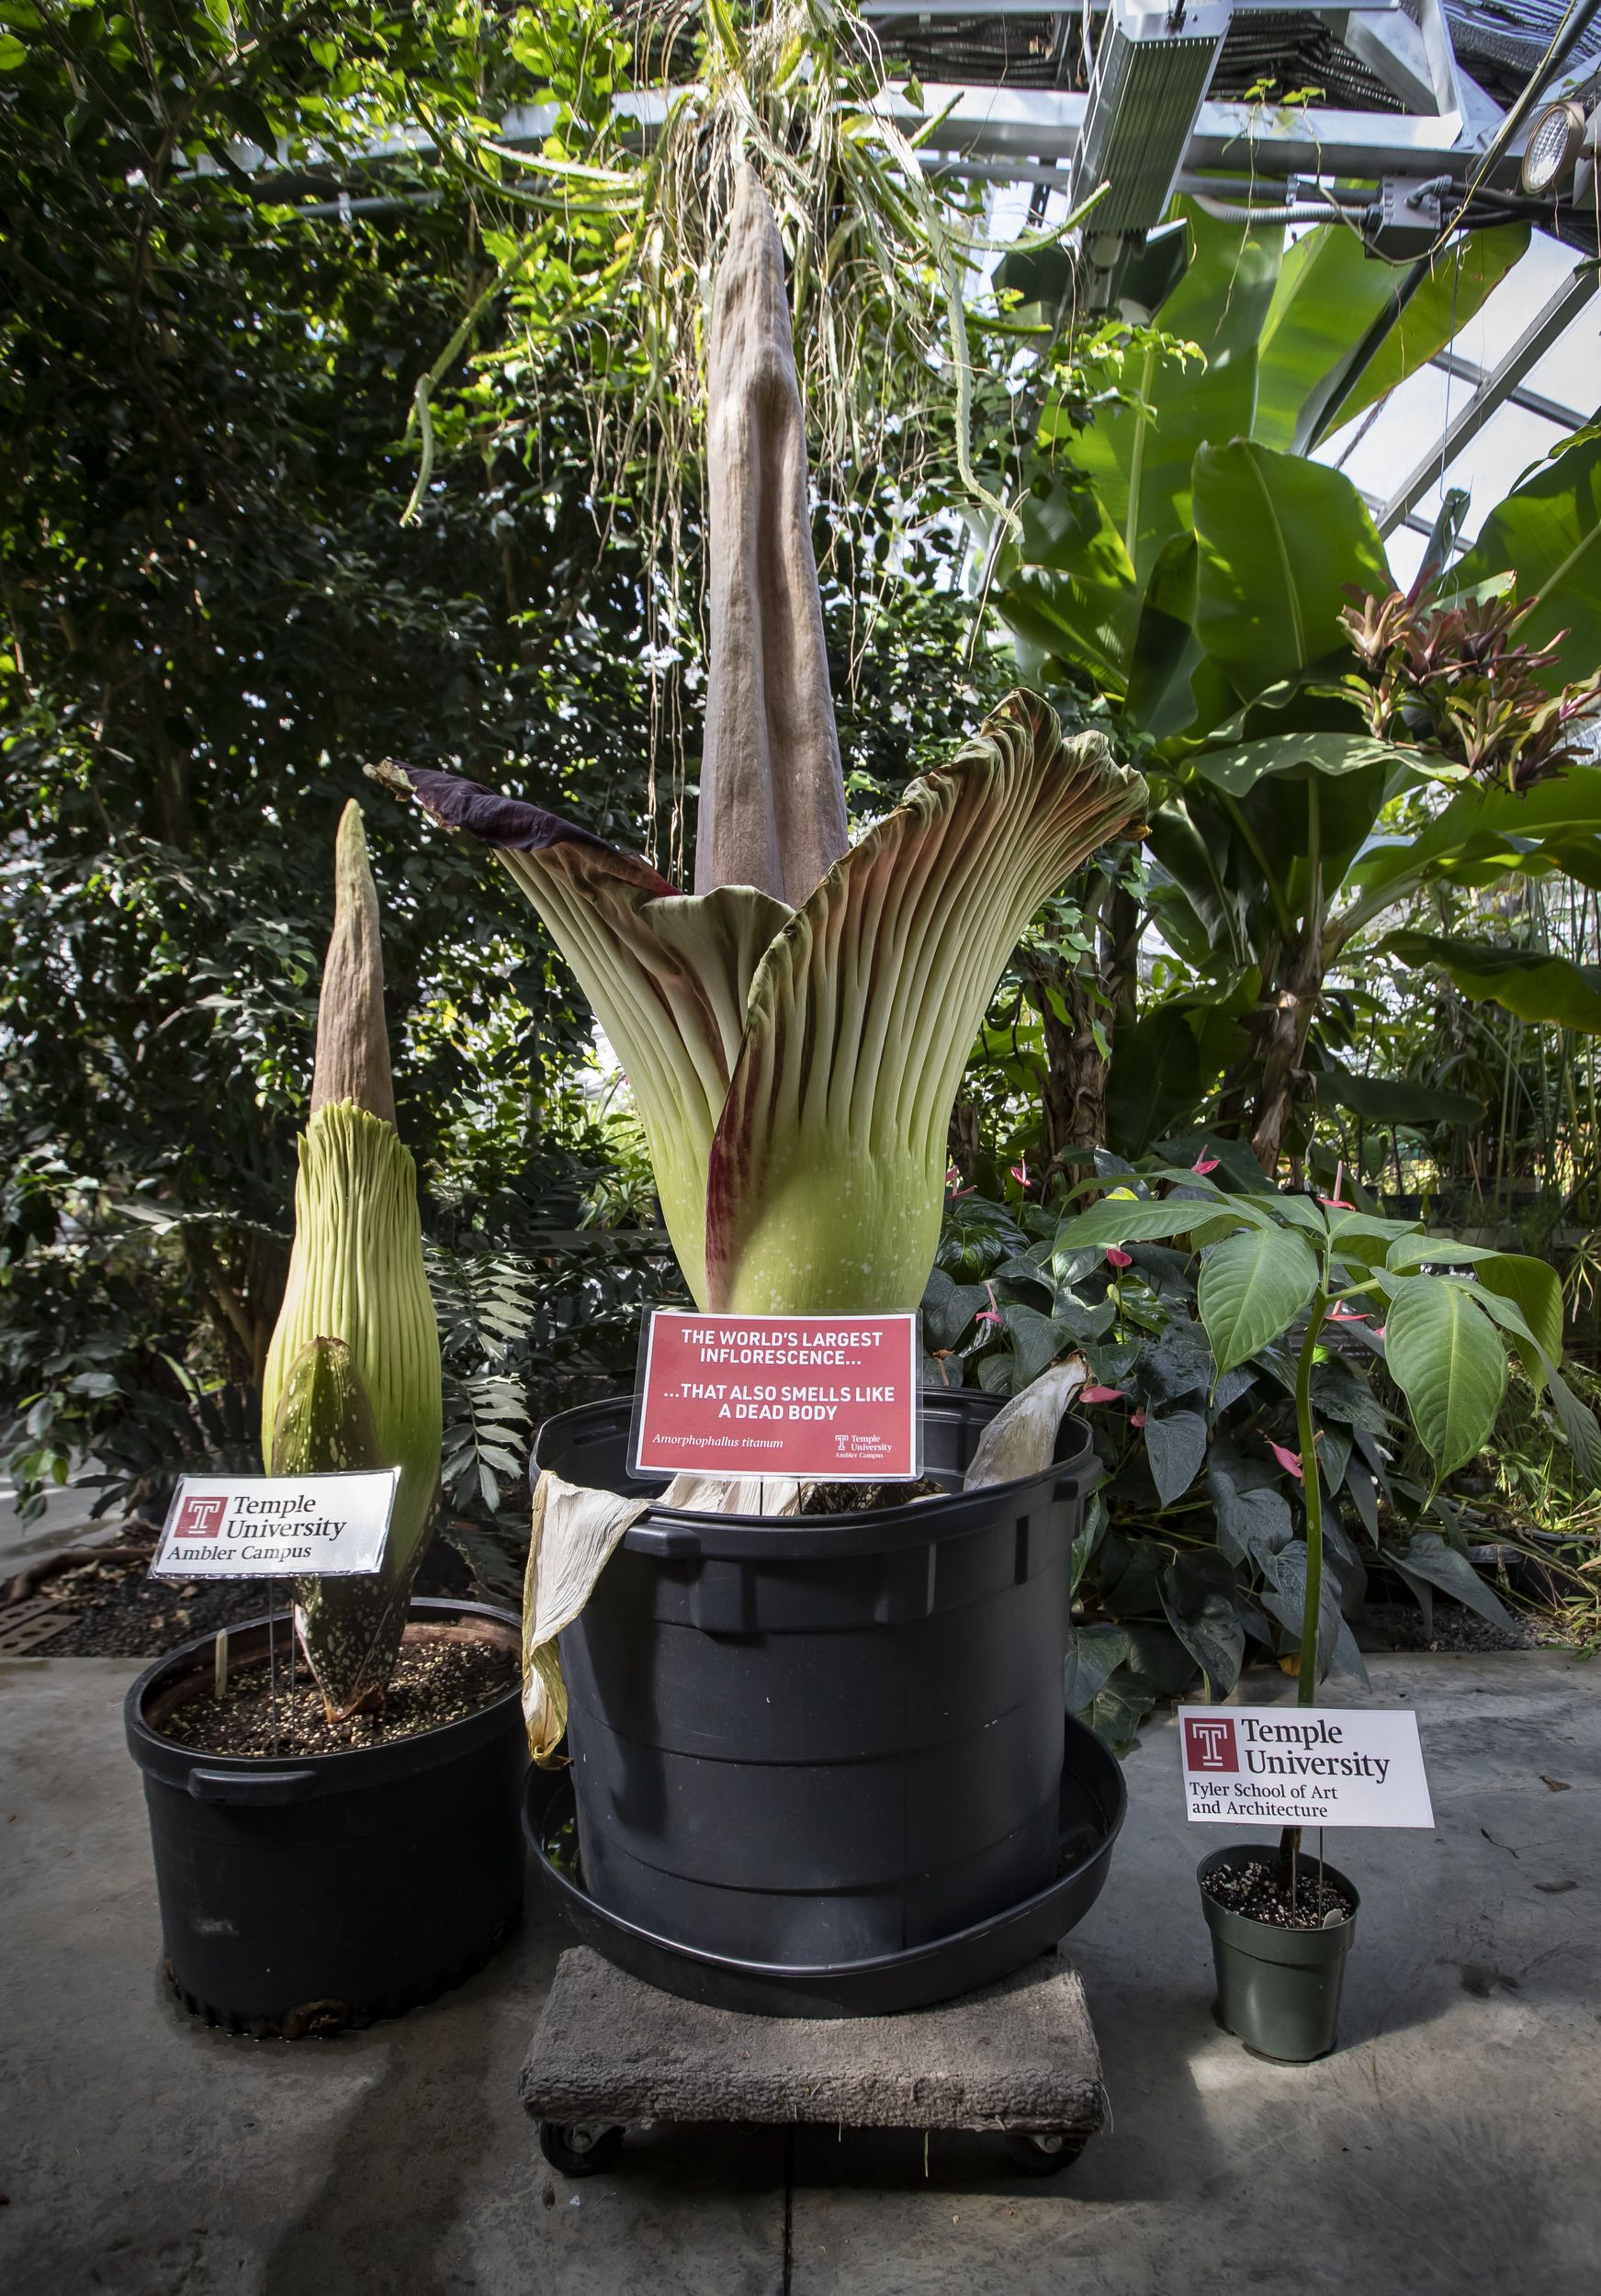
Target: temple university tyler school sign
[(1304, 1766)]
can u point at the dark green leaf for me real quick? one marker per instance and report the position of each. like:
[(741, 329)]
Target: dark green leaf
[(1198, 1594), (1428, 1557), (1094, 1654), (1253, 1522), (1175, 1448)]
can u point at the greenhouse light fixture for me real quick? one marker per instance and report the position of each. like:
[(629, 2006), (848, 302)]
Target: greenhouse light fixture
[(1552, 151)]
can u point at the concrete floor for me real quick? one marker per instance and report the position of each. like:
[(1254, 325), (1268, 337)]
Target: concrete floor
[(66, 1521), (1450, 2145)]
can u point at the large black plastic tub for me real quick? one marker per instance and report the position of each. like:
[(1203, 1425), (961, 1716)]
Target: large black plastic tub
[(815, 1740), (326, 1890)]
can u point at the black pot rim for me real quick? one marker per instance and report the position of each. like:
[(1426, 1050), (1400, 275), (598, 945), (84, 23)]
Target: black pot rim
[(667, 1531), (346, 1769), (851, 1980)]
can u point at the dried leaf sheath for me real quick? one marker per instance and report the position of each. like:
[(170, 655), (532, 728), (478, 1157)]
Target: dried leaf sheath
[(352, 1042)]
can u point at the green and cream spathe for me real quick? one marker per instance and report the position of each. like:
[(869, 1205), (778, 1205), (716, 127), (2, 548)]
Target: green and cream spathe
[(794, 1068), (351, 1376)]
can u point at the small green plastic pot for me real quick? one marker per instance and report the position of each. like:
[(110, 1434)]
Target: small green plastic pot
[(1278, 1990)]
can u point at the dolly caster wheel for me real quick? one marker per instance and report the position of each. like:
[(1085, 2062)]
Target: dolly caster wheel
[(1043, 2151), (581, 2148)]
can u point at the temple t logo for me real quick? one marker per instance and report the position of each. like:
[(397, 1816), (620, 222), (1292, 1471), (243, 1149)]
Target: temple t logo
[(200, 1518), (1210, 1745)]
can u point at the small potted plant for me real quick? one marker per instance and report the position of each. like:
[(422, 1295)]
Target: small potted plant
[(807, 1741), (339, 1843), (1443, 1315)]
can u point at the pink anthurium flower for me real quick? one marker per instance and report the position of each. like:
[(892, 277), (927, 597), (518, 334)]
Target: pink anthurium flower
[(1289, 1461), (1341, 1314), (991, 1314), (1138, 1420), (1101, 1394), (1204, 1164), (1337, 1202), (1114, 1258)]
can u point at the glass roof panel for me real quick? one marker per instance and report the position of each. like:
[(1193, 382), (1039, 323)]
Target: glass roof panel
[(1570, 370), (1491, 465)]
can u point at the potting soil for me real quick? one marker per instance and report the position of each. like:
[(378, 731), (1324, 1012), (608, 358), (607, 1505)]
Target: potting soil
[(864, 1498), (1262, 1891), (433, 1682)]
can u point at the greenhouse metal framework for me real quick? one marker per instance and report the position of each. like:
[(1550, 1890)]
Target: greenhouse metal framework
[(1410, 120)]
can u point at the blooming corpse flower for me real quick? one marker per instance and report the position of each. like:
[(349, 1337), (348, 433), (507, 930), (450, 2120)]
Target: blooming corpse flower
[(795, 1030)]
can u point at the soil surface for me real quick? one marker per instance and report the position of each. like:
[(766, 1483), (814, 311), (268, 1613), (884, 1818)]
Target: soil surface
[(433, 1682), (1261, 1891), (865, 1498), (1400, 1627), (115, 1610)]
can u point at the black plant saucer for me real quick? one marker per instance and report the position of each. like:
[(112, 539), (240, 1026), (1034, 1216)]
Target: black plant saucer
[(1092, 1806)]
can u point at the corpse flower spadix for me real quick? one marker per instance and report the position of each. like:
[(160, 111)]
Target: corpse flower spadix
[(795, 1030)]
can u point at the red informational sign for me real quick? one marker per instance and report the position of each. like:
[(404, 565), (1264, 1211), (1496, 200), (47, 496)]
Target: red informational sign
[(827, 1398)]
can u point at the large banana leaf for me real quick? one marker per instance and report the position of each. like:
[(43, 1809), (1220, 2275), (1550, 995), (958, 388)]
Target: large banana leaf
[(1547, 533), (1155, 1080), (1532, 983), (1283, 540), (1457, 286), (1239, 769), (1395, 1099), (1330, 295), (1067, 586), (1168, 656), (1483, 833), (1140, 456)]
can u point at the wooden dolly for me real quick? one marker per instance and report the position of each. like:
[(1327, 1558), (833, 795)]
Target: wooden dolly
[(610, 2052)]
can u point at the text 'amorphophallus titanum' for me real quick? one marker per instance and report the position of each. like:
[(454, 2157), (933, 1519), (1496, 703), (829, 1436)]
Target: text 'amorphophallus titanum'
[(795, 1031), (352, 1375)]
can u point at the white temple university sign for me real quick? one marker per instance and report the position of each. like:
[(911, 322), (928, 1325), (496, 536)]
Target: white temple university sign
[(1303, 1766)]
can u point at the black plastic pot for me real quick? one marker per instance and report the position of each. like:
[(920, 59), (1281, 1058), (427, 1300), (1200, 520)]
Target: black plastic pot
[(321, 1891), (1278, 1990), (1089, 1812), (807, 1741)]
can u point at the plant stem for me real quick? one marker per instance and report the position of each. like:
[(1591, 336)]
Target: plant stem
[(1311, 1487)]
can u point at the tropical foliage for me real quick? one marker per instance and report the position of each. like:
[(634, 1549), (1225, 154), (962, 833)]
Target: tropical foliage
[(311, 458), (1235, 1335)]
